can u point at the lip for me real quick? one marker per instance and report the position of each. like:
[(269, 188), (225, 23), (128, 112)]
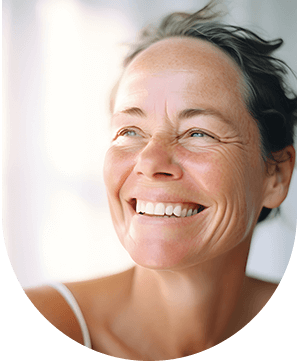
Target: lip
[(165, 201), (165, 195)]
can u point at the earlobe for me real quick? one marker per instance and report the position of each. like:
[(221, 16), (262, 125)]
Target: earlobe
[(278, 177)]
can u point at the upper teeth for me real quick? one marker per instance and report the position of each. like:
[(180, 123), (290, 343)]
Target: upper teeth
[(167, 209)]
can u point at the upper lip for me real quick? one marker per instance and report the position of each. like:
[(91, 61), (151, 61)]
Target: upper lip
[(166, 194)]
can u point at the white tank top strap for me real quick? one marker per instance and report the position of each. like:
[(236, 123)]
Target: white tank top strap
[(68, 296)]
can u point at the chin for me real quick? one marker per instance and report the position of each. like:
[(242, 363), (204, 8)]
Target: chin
[(156, 253)]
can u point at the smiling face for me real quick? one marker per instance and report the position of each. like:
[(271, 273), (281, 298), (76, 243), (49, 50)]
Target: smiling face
[(184, 145)]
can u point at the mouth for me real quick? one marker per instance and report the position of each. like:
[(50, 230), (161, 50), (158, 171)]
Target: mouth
[(166, 209)]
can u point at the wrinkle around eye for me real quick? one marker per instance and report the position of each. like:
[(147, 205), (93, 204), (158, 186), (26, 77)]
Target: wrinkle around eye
[(129, 132), (130, 138), (197, 138)]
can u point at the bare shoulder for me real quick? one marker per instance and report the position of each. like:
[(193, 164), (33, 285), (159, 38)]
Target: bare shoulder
[(260, 291), (101, 302), (50, 303), (102, 294), (255, 295)]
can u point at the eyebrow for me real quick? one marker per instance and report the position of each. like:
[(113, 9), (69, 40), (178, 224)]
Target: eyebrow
[(132, 111), (184, 114), (190, 113)]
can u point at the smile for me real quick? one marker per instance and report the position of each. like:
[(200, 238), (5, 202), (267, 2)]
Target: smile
[(161, 209)]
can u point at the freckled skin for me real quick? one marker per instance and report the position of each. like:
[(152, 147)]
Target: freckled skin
[(226, 175), (189, 291), (195, 294)]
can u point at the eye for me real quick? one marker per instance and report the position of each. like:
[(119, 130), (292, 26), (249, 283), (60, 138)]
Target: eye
[(199, 134), (128, 135), (194, 138), (129, 132)]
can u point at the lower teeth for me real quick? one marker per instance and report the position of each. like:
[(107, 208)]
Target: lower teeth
[(143, 213)]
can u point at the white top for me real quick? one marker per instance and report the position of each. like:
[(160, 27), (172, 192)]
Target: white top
[(68, 296)]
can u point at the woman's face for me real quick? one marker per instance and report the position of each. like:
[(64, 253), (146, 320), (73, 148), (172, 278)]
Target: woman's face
[(183, 142)]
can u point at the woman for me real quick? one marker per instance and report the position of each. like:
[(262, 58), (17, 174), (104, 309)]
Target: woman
[(201, 150)]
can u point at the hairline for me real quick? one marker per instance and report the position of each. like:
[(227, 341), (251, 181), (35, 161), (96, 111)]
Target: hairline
[(244, 82)]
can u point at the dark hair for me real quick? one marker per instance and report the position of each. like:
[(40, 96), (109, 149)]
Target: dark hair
[(268, 98)]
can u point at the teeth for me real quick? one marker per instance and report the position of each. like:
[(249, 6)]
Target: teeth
[(166, 210), (183, 213), (138, 205), (143, 207), (169, 210), (149, 208), (159, 209), (177, 210)]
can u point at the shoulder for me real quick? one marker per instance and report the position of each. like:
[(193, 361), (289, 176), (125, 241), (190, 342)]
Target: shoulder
[(255, 295), (260, 291), (103, 294), (51, 304), (102, 301), (99, 300)]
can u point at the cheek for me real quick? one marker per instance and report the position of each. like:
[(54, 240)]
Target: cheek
[(235, 190), (117, 167), (215, 172), (118, 164), (215, 175), (228, 178)]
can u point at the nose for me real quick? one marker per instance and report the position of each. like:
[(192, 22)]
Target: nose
[(156, 161)]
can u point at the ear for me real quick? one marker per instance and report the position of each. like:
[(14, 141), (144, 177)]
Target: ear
[(278, 177)]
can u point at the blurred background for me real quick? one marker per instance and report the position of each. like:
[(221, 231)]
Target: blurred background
[(61, 58)]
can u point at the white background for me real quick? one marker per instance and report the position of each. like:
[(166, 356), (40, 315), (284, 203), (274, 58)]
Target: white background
[(60, 60)]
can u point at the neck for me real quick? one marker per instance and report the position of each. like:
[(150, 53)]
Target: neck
[(188, 310)]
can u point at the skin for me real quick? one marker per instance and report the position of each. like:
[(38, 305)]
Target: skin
[(188, 290)]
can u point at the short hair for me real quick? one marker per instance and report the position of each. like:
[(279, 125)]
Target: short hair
[(269, 100)]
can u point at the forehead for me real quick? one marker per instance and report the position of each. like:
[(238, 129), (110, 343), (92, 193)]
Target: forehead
[(183, 70), (187, 53), (199, 65)]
